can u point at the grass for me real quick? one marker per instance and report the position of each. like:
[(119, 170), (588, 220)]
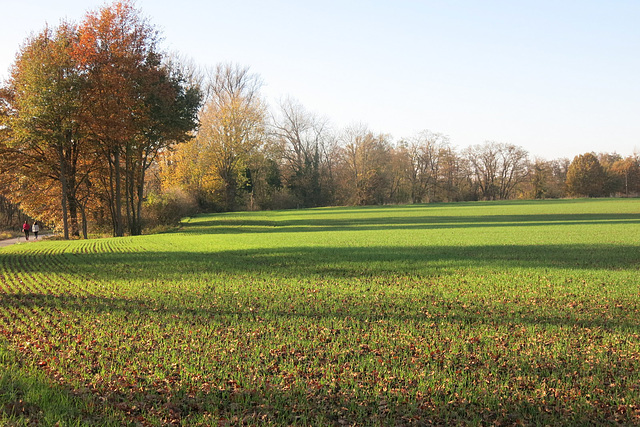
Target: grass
[(478, 313)]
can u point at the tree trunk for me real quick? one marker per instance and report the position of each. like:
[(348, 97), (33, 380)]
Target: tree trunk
[(230, 186), (140, 189), (118, 226), (135, 187), (109, 183), (72, 203), (63, 184), (129, 193), (85, 228)]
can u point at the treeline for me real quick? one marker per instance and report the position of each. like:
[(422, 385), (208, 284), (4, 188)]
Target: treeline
[(100, 129), (246, 156)]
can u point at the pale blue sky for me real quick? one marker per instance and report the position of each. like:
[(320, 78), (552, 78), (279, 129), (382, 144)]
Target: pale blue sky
[(558, 78)]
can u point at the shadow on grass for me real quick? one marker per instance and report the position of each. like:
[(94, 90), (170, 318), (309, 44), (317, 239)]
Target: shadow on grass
[(27, 397), (268, 224), (310, 406), (332, 407), (332, 262)]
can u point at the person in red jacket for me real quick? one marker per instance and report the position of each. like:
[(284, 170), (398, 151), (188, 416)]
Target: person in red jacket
[(26, 229)]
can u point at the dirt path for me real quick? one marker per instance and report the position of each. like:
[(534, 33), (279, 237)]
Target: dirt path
[(21, 239)]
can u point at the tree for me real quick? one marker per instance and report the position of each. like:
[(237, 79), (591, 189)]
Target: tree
[(232, 127), (547, 179), (399, 167), (585, 176), (628, 172), (498, 168), (365, 166), (613, 181), (301, 137), (455, 176), (423, 152), (84, 115), (186, 168), (136, 106), (9, 213), (114, 46), (171, 115), (559, 168), (42, 104)]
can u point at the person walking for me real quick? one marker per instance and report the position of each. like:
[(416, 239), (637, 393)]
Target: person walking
[(35, 228), (26, 228)]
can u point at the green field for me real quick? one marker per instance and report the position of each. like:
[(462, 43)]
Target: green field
[(480, 313)]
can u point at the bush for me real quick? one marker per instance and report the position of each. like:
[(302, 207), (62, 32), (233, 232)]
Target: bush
[(7, 235), (280, 200), (168, 209)]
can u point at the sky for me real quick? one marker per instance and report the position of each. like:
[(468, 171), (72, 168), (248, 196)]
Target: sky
[(556, 77)]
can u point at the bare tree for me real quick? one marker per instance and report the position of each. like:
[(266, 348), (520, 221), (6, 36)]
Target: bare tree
[(302, 137), (497, 168), (455, 175), (424, 155)]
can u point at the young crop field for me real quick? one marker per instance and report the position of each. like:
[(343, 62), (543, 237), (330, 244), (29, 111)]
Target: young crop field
[(480, 313)]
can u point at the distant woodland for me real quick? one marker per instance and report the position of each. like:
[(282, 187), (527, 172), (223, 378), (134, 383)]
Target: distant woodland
[(102, 132)]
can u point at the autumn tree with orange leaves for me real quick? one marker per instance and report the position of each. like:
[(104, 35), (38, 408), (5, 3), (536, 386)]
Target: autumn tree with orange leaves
[(136, 105)]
